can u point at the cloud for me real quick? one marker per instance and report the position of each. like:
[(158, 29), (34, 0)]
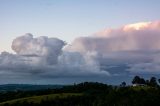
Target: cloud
[(44, 58), (140, 36), (47, 48), (133, 46), (111, 55), (147, 67)]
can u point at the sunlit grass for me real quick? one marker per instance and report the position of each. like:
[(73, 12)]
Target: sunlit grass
[(38, 99)]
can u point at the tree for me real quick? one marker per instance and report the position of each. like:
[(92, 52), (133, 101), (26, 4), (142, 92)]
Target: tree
[(159, 81), (136, 80), (147, 82), (123, 84), (142, 81), (153, 82)]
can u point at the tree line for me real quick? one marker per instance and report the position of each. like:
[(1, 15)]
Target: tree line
[(140, 81), (96, 94)]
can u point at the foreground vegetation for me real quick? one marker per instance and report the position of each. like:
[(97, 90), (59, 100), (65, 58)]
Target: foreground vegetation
[(89, 94), (39, 99)]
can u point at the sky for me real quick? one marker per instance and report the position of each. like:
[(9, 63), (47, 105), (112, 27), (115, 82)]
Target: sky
[(68, 19), (68, 41)]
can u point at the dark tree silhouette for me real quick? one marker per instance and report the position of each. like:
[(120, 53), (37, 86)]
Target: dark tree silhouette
[(142, 81), (147, 82), (159, 81), (153, 82), (123, 84), (138, 80)]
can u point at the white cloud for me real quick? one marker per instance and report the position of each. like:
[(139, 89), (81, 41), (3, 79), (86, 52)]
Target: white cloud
[(44, 58), (140, 36), (47, 48), (135, 44), (112, 53)]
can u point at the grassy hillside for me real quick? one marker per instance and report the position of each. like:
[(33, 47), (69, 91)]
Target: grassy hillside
[(38, 99)]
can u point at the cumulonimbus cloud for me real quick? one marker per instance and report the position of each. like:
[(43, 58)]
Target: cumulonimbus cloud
[(44, 58), (111, 53), (136, 45), (139, 36)]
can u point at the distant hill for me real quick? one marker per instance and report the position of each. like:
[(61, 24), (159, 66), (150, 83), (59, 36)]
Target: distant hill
[(26, 87)]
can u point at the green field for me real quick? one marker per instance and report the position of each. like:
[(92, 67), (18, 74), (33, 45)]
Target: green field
[(38, 99)]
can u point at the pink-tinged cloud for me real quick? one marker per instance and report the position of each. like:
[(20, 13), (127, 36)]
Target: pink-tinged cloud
[(132, 37)]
